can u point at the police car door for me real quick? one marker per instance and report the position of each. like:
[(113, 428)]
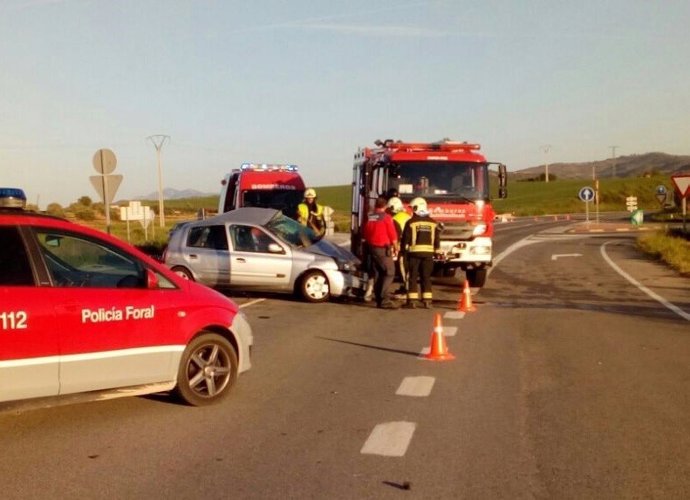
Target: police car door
[(29, 347), (258, 260), (114, 331)]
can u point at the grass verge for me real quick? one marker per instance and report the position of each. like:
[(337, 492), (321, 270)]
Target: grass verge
[(664, 246)]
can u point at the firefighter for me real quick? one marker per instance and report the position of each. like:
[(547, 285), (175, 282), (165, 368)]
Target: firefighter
[(382, 246), (400, 217), (310, 213), (420, 241)]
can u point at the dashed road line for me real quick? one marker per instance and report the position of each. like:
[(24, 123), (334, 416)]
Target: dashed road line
[(389, 439), (418, 387), (454, 315), (251, 303)]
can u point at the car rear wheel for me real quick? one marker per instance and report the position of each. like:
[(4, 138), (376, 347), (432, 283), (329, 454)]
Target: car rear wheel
[(183, 272), (314, 287), (208, 370)]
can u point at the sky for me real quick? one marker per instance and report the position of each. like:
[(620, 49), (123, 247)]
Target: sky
[(308, 82)]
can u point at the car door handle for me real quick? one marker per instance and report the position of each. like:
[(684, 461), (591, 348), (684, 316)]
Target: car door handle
[(240, 259), (193, 256)]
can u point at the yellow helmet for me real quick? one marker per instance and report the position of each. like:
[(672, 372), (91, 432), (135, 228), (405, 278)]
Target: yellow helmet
[(395, 205), (310, 193), (418, 205)]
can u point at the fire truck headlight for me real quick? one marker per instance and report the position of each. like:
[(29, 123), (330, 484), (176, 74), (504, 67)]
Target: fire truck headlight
[(481, 250), (479, 229)]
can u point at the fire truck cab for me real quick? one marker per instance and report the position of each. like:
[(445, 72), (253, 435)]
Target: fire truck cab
[(262, 185), (453, 177)]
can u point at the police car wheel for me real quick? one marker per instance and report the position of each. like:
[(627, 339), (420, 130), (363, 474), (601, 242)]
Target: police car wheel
[(208, 370), (314, 287), (183, 272)]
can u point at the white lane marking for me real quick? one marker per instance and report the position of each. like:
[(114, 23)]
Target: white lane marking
[(559, 255), (418, 387), (450, 331), (454, 315), (390, 439), (639, 285), (424, 352), (251, 303)]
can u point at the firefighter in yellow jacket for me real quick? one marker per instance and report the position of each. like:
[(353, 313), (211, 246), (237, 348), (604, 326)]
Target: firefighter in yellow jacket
[(420, 241), (400, 216), (310, 213)]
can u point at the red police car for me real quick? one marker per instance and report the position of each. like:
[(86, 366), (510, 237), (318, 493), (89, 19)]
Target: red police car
[(82, 311)]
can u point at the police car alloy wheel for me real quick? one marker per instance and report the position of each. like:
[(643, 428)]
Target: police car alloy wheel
[(208, 370), (314, 287)]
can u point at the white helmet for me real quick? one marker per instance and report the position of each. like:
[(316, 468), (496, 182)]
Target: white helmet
[(310, 193), (395, 205), (418, 205)]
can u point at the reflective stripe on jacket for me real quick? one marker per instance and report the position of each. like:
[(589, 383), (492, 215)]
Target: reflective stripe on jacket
[(421, 235)]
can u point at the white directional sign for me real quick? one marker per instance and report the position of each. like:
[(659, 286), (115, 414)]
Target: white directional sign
[(586, 194), (682, 184)]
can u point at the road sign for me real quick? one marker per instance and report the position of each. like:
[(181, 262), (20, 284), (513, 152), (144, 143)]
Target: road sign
[(106, 187), (586, 194), (682, 184), (104, 161), (631, 203), (637, 217), (660, 189)]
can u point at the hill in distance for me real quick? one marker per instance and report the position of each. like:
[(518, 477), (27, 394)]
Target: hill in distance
[(623, 166), (176, 194)]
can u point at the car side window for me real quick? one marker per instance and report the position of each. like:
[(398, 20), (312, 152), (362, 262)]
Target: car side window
[(212, 237), (249, 239), (15, 269), (75, 261)]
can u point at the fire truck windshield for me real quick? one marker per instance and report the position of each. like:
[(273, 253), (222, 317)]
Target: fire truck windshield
[(445, 180), (284, 200)]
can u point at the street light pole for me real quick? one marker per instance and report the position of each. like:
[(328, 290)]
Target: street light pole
[(158, 141), (546, 148)]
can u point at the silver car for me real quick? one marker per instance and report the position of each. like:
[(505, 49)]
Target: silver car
[(262, 249)]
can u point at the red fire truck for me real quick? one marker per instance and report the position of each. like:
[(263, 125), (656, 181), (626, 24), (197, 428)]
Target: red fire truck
[(453, 177), (262, 185)]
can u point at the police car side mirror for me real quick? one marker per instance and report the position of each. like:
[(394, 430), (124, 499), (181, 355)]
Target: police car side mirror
[(151, 280)]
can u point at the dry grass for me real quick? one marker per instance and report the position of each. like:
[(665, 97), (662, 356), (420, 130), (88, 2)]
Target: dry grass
[(672, 250)]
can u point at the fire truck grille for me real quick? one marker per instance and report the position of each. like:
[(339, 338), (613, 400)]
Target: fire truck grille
[(456, 231)]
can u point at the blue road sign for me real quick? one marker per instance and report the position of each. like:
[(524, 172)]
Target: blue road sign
[(586, 194), (661, 189)]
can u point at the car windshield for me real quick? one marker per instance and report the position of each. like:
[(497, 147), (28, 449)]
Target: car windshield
[(446, 180), (291, 231)]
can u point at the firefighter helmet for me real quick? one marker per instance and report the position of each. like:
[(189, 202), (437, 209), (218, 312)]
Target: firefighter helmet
[(418, 205), (395, 205), (310, 193)]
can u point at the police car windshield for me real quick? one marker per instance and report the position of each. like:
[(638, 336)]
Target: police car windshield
[(291, 231), (443, 180)]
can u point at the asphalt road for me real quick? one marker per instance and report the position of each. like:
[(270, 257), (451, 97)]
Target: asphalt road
[(570, 380)]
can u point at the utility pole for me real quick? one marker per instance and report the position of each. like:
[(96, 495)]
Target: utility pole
[(546, 148), (613, 155), (158, 141)]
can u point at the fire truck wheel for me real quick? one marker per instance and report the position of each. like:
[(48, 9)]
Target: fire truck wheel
[(183, 272), (208, 370), (313, 287), (476, 277)]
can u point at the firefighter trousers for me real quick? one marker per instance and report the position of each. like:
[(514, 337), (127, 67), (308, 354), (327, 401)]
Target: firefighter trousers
[(384, 273), (419, 270)]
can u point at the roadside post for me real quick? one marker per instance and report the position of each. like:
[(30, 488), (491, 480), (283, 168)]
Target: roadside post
[(104, 162), (586, 194), (682, 184)]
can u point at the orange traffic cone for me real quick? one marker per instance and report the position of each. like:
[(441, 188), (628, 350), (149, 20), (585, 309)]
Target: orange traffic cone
[(465, 301), (438, 351)]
